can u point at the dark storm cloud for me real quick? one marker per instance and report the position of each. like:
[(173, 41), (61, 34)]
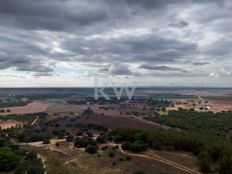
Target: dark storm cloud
[(132, 49), (149, 4), (52, 15), (70, 14), (35, 35), (22, 52), (24, 64)]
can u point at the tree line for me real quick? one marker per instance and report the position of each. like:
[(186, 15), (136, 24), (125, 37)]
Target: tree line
[(211, 151)]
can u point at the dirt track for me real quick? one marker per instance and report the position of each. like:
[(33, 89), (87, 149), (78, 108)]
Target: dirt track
[(160, 159)]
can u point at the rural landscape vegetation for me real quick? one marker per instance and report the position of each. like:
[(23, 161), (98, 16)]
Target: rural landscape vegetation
[(173, 131)]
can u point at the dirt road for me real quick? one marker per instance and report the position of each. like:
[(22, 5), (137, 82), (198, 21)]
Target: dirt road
[(160, 159)]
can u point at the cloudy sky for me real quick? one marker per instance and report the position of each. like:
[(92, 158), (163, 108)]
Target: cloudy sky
[(56, 43)]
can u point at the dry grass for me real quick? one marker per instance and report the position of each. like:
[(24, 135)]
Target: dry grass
[(183, 158), (77, 161), (9, 124)]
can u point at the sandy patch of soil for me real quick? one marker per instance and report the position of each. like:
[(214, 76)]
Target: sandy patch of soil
[(220, 105), (9, 124)]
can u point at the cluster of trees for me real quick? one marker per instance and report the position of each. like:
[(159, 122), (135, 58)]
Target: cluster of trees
[(139, 172), (31, 164), (74, 122), (32, 134), (159, 103), (88, 112), (86, 127), (59, 128), (90, 144), (11, 103), (92, 149), (211, 151), (100, 101), (137, 146), (9, 158), (19, 160), (103, 138), (219, 124), (113, 100), (48, 95), (84, 141), (172, 96)]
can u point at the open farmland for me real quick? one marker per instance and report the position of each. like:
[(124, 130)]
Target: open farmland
[(56, 107), (221, 105), (107, 121), (34, 107), (119, 121), (65, 108)]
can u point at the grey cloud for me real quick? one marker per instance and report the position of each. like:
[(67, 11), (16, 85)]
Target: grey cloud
[(104, 69), (148, 48), (179, 24), (23, 64), (219, 47), (120, 69), (34, 68), (174, 74), (150, 4), (161, 68), (42, 74), (200, 63)]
